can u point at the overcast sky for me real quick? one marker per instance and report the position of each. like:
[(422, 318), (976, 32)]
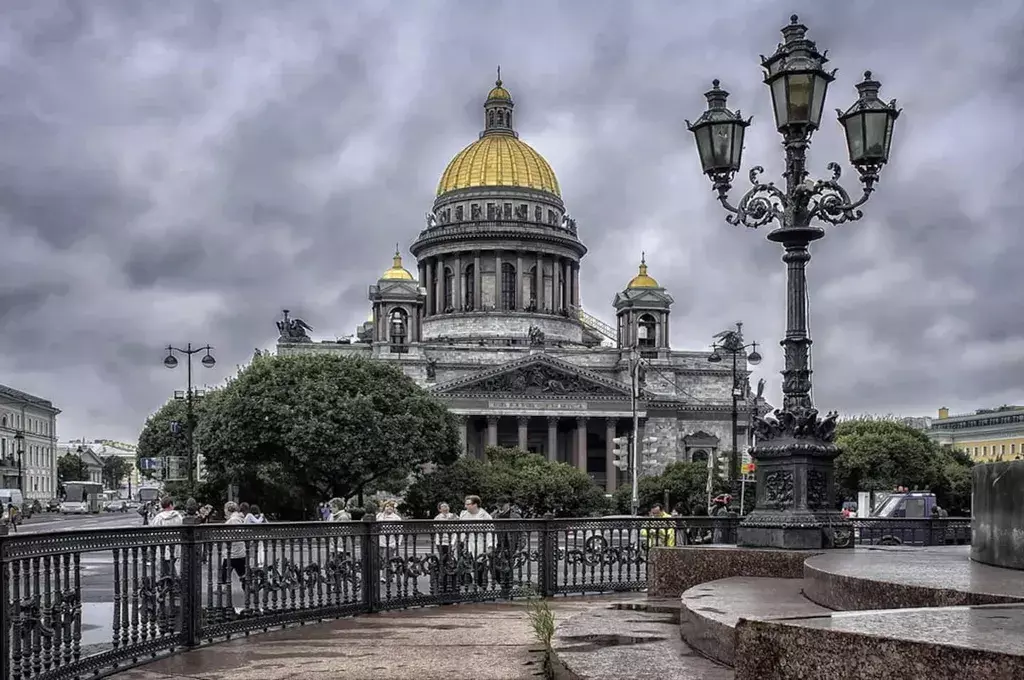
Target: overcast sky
[(176, 172)]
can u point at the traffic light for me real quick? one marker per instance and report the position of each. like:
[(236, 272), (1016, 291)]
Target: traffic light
[(721, 466), (621, 453), (647, 454), (200, 467)]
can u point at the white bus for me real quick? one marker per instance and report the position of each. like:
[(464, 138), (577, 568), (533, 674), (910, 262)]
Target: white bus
[(82, 498)]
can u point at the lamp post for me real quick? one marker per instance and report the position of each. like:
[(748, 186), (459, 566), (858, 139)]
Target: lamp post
[(795, 450), (19, 437), (731, 342), (170, 361)]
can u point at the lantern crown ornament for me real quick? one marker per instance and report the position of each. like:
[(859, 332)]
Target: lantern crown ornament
[(797, 79)]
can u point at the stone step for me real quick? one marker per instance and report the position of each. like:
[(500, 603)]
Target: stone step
[(612, 643), (907, 577), (710, 611), (938, 643)]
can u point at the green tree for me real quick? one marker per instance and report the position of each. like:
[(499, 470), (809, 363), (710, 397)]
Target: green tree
[(157, 439), (879, 454), (685, 483), (294, 430), (537, 485), (115, 469), (70, 468)]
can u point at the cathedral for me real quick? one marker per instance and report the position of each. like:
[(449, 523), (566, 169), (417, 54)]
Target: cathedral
[(491, 323)]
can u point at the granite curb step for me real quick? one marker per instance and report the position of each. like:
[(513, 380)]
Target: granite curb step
[(709, 612), (624, 641)]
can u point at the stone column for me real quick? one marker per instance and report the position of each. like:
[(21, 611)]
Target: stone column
[(463, 435), (430, 286), (524, 423), (538, 282), (610, 471), (519, 282), (576, 284), (566, 284), (492, 430), (497, 281), (439, 286), (477, 281), (666, 340), (553, 438), (581, 443), (457, 281)]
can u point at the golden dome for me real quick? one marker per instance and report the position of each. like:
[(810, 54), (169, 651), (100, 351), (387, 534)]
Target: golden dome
[(397, 271), (499, 158), (643, 279)]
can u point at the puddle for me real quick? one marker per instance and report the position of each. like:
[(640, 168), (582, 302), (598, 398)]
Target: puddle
[(710, 609), (594, 643)]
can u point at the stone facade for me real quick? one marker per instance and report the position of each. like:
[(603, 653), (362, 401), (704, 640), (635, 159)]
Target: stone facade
[(492, 324), (28, 428)]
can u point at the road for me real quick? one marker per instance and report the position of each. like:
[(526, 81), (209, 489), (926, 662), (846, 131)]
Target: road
[(53, 521)]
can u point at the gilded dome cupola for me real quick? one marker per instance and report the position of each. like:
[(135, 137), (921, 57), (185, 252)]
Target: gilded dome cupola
[(498, 158)]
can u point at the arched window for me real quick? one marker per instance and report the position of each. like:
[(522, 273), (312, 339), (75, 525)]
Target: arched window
[(398, 330), (490, 119), (508, 286), (645, 331), (700, 456), (449, 290), (470, 291)]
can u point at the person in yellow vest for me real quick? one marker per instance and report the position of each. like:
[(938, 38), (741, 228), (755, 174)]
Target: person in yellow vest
[(663, 536)]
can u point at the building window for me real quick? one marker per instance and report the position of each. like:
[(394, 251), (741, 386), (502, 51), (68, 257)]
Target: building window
[(398, 330), (507, 211), (508, 286), (470, 291), (449, 290), (645, 331)]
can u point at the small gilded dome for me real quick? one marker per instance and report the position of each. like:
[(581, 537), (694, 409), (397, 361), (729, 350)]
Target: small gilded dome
[(643, 279), (397, 271), (499, 161)]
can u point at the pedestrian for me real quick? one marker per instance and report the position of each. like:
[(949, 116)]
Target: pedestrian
[(391, 539), (257, 517), (665, 536), (325, 509), (477, 544), (336, 511), (448, 560), (235, 561), (10, 517), (167, 517), (144, 513), (510, 540)]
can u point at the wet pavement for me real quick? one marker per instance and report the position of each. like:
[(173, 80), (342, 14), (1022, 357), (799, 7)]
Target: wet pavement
[(491, 641)]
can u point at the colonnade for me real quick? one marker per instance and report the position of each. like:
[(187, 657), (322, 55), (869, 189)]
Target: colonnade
[(454, 282)]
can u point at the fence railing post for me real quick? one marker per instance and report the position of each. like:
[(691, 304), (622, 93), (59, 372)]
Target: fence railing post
[(548, 562), (6, 643), (370, 561), (191, 583)]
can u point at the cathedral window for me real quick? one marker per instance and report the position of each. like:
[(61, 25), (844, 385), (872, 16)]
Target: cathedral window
[(470, 290), (490, 119), (537, 212), (508, 286), (646, 331), (398, 331), (458, 213), (507, 211), (492, 211), (449, 290)]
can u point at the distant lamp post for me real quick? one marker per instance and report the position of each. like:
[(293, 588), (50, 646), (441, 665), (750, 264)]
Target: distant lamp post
[(731, 342), (19, 438), (795, 451), (170, 361)]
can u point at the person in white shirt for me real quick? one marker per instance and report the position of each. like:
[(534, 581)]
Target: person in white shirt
[(167, 517), (447, 558), (390, 537), (257, 517), (478, 544), (236, 554), (336, 511)]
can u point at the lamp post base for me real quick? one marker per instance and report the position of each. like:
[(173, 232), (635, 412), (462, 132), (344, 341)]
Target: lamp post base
[(796, 505), (795, 530)]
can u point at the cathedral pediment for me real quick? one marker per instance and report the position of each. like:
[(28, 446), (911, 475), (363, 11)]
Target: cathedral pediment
[(536, 376)]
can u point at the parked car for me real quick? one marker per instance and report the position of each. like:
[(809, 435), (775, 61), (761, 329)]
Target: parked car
[(52, 505), (116, 505)]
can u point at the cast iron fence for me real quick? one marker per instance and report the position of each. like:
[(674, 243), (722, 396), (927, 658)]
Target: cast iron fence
[(89, 603), (917, 532)]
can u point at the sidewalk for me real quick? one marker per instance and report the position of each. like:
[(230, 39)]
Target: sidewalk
[(491, 641)]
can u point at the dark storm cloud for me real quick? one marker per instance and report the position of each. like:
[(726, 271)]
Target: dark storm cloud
[(182, 171)]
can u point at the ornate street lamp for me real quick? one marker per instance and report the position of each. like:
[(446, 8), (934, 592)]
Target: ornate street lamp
[(794, 450), (170, 361), (731, 342), (19, 438)]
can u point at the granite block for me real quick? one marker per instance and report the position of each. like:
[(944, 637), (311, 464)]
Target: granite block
[(998, 526), (890, 578), (673, 571), (950, 643), (710, 611)]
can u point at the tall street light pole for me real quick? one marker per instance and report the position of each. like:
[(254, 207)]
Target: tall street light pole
[(170, 361), (795, 452), (731, 342), (19, 437)]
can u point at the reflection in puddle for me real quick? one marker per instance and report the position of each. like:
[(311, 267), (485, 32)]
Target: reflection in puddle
[(593, 643)]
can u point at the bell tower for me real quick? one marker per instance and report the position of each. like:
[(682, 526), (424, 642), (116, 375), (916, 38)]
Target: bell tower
[(642, 311)]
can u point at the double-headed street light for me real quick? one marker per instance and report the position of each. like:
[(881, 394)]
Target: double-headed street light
[(170, 361), (795, 451), (731, 342)]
